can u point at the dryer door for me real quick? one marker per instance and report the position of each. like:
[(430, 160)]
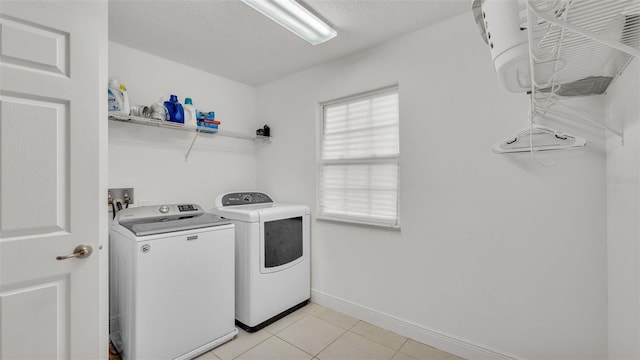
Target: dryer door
[(284, 239)]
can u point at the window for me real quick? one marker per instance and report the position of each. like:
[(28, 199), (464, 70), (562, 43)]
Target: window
[(359, 159)]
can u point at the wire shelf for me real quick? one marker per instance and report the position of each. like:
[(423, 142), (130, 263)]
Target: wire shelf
[(179, 126), (578, 48)]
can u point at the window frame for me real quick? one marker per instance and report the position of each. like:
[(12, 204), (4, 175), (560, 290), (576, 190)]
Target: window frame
[(320, 162)]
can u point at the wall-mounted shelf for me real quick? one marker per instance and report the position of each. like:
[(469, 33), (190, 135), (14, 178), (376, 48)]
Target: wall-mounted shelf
[(177, 126)]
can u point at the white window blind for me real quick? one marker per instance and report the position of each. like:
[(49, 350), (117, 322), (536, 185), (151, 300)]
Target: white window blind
[(359, 159)]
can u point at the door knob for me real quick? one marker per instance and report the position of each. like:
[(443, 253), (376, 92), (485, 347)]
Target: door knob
[(81, 252)]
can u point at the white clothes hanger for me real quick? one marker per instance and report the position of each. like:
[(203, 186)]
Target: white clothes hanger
[(538, 138)]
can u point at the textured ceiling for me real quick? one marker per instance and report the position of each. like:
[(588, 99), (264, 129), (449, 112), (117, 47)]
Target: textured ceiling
[(229, 39)]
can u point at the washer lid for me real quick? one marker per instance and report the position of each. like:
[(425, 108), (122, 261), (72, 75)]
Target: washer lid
[(151, 220), (142, 227)]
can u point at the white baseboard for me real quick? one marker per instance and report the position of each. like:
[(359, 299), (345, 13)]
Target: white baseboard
[(449, 343)]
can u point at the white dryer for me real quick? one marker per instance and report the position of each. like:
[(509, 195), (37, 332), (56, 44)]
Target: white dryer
[(171, 282), (273, 275)]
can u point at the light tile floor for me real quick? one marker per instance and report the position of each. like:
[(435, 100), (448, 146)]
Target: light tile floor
[(316, 332)]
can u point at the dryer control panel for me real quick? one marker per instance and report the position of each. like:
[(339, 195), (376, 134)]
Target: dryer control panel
[(244, 198)]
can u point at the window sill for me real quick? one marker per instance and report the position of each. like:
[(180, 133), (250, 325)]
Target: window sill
[(359, 223)]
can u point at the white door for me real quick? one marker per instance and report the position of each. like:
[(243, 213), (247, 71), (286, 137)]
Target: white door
[(52, 129)]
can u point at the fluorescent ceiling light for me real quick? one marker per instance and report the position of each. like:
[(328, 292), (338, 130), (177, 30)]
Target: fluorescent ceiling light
[(295, 18)]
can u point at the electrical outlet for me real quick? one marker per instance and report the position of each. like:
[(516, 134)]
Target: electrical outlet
[(123, 195)]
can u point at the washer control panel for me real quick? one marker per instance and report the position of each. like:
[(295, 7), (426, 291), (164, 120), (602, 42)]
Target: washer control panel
[(245, 198)]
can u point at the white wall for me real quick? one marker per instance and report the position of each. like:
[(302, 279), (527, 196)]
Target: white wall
[(151, 160), (623, 216), (494, 250)]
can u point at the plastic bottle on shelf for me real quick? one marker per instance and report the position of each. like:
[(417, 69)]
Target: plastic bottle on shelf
[(209, 115), (118, 98), (114, 101), (158, 110), (207, 122), (190, 113), (174, 110)]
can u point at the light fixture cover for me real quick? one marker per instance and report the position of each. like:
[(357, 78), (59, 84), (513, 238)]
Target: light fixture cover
[(294, 18)]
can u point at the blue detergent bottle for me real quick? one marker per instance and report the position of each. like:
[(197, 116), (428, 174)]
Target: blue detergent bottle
[(175, 111)]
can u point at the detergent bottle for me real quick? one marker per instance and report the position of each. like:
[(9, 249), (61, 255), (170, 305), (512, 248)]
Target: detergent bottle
[(175, 111), (118, 97), (190, 118)]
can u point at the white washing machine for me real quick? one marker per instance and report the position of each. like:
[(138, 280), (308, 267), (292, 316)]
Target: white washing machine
[(273, 275), (171, 282)]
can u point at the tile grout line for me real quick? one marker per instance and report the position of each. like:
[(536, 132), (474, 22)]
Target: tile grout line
[(295, 346), (381, 344), (406, 339), (323, 349), (286, 327), (306, 314), (334, 324), (398, 351), (275, 335), (331, 343), (363, 336), (270, 336), (312, 355), (242, 353), (341, 335)]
